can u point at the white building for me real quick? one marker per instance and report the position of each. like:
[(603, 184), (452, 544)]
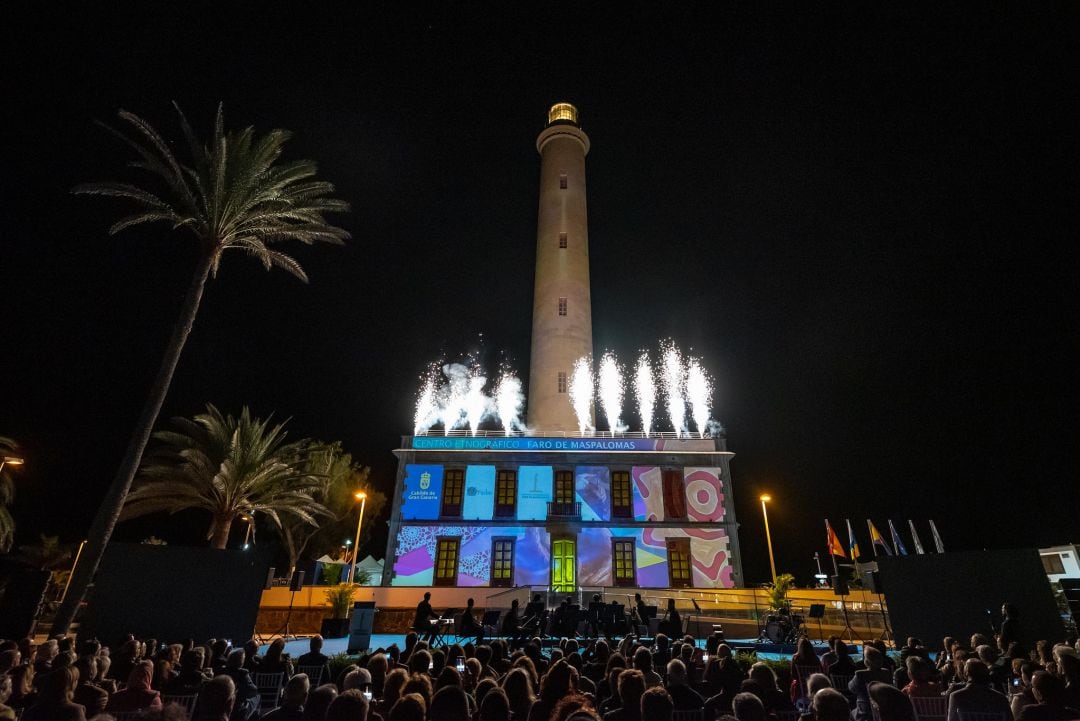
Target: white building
[(1061, 562)]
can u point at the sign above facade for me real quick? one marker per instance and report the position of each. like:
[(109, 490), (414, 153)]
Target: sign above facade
[(529, 443)]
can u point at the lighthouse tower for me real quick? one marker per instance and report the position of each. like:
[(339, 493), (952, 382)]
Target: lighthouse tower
[(562, 307)]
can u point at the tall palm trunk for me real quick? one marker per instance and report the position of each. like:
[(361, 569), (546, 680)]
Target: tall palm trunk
[(109, 511), (219, 531)]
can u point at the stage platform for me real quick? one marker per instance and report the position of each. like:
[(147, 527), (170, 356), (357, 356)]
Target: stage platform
[(333, 646)]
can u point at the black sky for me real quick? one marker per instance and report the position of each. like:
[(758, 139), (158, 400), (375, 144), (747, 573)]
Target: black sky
[(863, 217)]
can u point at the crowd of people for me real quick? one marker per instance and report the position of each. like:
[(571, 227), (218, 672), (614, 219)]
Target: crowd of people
[(595, 680)]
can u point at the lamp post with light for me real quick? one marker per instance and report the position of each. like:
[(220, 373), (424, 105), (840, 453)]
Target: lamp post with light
[(765, 498), (10, 461), (362, 497)]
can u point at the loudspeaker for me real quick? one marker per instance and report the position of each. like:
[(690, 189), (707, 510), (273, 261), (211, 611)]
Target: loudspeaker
[(363, 619), (839, 586), (871, 581), (817, 610), (269, 579), (297, 581)]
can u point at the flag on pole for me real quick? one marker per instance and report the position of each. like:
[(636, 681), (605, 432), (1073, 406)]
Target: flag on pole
[(853, 544), (876, 539), (897, 543), (937, 539), (833, 541), (915, 537)]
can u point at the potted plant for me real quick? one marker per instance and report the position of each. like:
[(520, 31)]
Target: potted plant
[(340, 598)]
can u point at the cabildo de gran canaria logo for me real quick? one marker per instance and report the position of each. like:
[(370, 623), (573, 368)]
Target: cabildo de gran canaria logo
[(425, 480)]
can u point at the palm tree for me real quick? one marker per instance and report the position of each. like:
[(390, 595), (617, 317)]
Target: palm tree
[(7, 496), (232, 193), (341, 479), (229, 467)]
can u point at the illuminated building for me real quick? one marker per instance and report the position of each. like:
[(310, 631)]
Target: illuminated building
[(553, 508)]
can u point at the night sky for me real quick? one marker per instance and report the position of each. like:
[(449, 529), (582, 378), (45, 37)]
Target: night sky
[(862, 217)]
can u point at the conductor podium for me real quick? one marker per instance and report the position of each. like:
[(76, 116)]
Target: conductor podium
[(363, 619)]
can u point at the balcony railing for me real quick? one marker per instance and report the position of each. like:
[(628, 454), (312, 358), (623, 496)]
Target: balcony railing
[(564, 510)]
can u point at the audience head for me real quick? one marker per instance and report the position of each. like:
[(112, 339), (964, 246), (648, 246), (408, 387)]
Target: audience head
[(348, 706), (217, 696), (410, 707), (676, 671), (236, 659), (495, 706), (975, 671), (872, 658), (631, 686), (656, 704), (449, 704), (419, 684), (296, 690), (318, 702), (817, 682), (892, 703), (828, 704), (763, 675), (748, 707)]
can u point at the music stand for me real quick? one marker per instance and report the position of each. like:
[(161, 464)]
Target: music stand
[(817, 610)]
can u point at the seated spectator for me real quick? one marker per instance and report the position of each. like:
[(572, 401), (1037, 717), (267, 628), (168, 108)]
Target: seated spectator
[(251, 655), (843, 665), (997, 665), (891, 703), (656, 705), (6, 712), (559, 681), (318, 701), (859, 686), (292, 704), (748, 707), (190, 677), (828, 704), (348, 706), (410, 707), (643, 663), (216, 699), (920, 685), (519, 693), (683, 697), (829, 657), (22, 687), (276, 660), (1024, 695), (87, 693), (771, 695), (219, 651), (631, 686), (1052, 704), (54, 698), (246, 705), (495, 707), (137, 695), (976, 695)]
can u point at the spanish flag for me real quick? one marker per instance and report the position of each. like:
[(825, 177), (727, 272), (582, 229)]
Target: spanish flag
[(853, 544), (876, 539), (833, 541)]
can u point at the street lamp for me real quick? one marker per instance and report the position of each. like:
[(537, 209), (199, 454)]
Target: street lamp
[(362, 497), (248, 535), (10, 461), (765, 498)]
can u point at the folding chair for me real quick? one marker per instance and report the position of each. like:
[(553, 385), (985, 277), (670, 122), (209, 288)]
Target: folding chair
[(696, 714), (314, 673), (185, 701), (930, 708), (269, 685), (802, 675)]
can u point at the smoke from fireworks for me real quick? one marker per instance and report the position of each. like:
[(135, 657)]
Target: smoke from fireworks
[(645, 391), (427, 412), (453, 395), (699, 394), (610, 385), (581, 394), (477, 405), (673, 375)]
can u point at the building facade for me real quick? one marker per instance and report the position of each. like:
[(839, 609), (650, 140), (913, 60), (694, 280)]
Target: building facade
[(563, 512)]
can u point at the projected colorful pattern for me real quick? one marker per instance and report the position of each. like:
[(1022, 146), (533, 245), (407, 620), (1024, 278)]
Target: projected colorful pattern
[(423, 492), (648, 493), (479, 503), (534, 492), (593, 492), (416, 554), (704, 494), (532, 555)]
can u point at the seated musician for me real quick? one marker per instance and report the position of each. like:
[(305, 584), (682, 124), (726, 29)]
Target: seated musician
[(560, 618), (422, 621), (671, 626), (511, 625), (468, 625), (615, 620)]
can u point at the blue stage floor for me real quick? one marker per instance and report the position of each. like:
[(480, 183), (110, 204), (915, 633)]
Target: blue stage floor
[(334, 646)]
